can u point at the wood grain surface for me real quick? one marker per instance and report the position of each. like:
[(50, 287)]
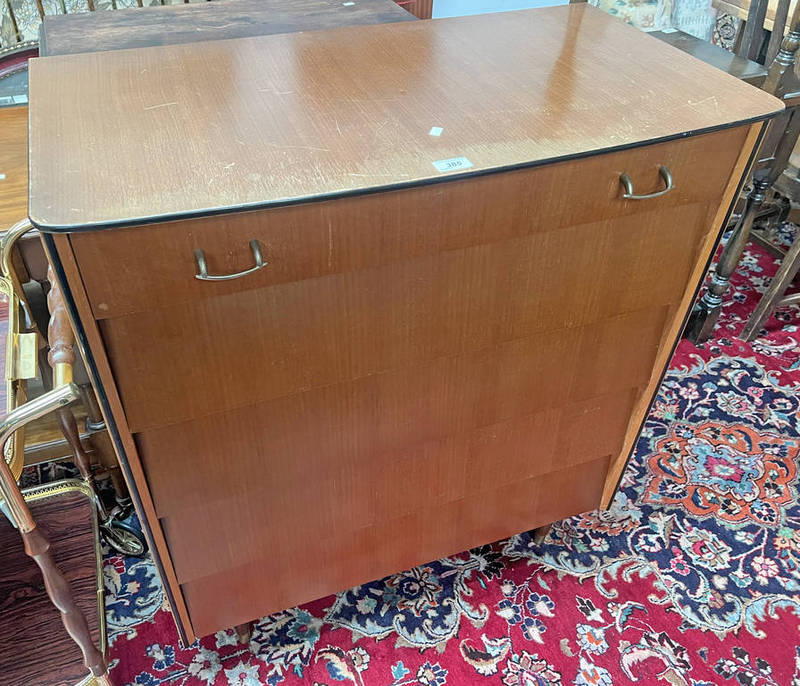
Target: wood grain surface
[(34, 647), (139, 27), (124, 275), (729, 62), (13, 165), (411, 363), (190, 129), (316, 332), (672, 333), (217, 600), (90, 346), (414, 372)]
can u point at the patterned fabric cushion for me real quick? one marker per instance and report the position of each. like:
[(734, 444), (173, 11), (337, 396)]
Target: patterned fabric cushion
[(648, 15), (696, 17)]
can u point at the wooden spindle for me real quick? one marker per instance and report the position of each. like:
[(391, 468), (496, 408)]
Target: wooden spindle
[(59, 334), (38, 548)]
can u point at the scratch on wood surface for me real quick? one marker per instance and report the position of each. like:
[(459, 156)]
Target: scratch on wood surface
[(215, 27), (330, 244), (388, 176), (163, 104), (710, 98), (298, 147)]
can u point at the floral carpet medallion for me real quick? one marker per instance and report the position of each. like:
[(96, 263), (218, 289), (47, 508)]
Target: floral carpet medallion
[(692, 578), (731, 472)]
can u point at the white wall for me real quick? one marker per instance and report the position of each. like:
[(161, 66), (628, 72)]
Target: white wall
[(460, 8)]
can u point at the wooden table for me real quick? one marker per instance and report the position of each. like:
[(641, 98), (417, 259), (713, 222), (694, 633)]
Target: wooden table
[(446, 310), (13, 165), (65, 34)]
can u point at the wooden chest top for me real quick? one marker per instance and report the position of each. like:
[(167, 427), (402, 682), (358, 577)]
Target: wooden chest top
[(152, 134)]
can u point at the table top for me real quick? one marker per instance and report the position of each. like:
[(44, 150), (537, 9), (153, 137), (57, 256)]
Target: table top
[(187, 130), (140, 27), (729, 62)]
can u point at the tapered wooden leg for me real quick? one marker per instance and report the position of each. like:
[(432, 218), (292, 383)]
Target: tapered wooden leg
[(540, 533), (771, 299), (706, 313), (38, 548), (245, 632)]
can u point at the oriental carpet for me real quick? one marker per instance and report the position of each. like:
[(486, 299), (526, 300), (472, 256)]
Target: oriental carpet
[(692, 579)]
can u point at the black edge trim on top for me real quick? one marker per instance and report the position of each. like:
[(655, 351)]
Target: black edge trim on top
[(320, 197), (86, 352), (688, 313)]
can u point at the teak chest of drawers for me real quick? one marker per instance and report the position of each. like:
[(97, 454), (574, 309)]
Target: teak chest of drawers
[(431, 341)]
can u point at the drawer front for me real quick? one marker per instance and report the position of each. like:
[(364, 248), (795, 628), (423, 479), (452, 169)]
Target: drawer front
[(216, 354), (285, 578), (142, 268), (380, 413), (296, 496)]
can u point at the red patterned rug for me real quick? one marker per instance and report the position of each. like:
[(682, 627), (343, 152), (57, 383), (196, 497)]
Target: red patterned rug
[(691, 579)]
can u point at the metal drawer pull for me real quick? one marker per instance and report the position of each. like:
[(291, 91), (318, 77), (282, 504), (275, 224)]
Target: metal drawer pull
[(627, 184), (200, 256)]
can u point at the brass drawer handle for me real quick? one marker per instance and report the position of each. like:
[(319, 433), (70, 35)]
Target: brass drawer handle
[(200, 256), (627, 184)]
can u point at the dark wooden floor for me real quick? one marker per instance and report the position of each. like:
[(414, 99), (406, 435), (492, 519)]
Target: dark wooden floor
[(34, 647)]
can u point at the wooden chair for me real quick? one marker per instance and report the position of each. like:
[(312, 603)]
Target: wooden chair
[(774, 297), (55, 363), (773, 158), (37, 546), (758, 40)]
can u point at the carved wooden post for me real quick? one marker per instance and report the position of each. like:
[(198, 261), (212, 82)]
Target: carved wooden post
[(59, 334), (61, 340), (704, 318), (61, 358), (38, 547)]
